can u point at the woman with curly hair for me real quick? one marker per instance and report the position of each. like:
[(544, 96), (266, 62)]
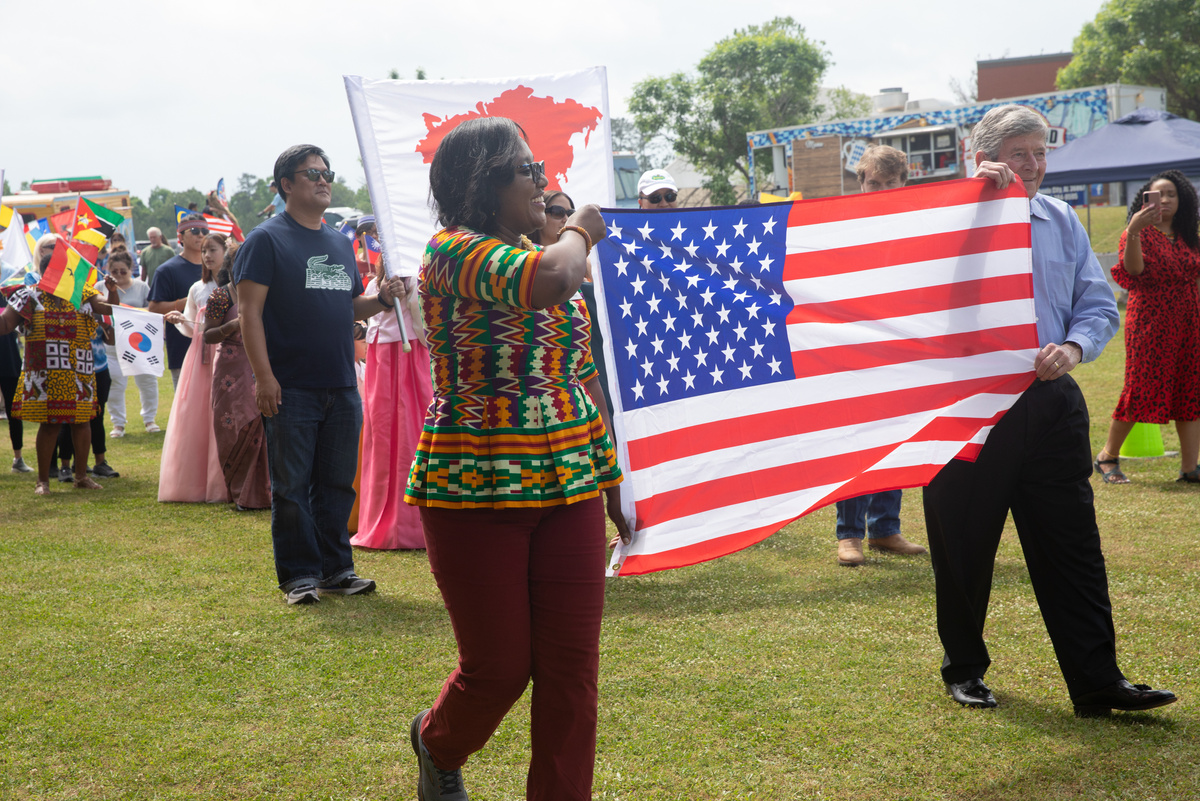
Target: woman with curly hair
[(1160, 264), (514, 468)]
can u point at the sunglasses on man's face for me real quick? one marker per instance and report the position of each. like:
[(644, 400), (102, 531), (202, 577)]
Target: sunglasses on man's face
[(200, 231), (313, 174), (559, 211), (534, 169), (659, 197)]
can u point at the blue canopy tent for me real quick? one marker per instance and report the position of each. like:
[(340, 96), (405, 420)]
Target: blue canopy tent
[(1133, 148)]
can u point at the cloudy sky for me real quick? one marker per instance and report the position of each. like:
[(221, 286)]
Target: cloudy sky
[(178, 95)]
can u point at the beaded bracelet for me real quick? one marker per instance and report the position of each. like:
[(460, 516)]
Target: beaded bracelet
[(587, 239)]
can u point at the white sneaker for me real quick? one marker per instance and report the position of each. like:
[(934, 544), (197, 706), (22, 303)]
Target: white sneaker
[(152, 428), (117, 432)]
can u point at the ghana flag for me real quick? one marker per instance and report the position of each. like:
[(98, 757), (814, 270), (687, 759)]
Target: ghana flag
[(67, 274)]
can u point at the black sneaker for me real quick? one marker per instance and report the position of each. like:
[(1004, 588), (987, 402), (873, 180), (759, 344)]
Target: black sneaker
[(350, 585), (66, 475), (104, 470), (433, 783), (305, 594)]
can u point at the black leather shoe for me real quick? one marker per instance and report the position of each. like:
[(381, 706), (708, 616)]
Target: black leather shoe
[(972, 692), (1123, 696)]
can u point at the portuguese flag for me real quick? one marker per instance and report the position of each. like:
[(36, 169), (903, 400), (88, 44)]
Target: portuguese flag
[(67, 274)]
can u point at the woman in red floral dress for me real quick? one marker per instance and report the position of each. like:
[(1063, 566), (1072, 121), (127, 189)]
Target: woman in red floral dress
[(1160, 265)]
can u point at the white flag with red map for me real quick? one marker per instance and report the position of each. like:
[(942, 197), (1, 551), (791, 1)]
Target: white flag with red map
[(401, 123)]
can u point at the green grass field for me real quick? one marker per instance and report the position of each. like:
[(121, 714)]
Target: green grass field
[(1107, 223), (148, 655)]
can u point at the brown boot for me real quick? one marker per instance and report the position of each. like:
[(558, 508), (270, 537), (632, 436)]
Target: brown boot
[(896, 544), (850, 552)]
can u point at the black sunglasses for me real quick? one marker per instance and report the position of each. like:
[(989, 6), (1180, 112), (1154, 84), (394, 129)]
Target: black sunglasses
[(534, 169), (201, 231), (313, 174), (658, 197), (559, 211)]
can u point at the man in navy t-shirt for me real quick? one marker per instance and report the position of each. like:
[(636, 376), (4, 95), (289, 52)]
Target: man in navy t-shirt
[(172, 280), (298, 297)]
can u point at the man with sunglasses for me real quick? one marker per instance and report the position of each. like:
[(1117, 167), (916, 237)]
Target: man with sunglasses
[(170, 285), (657, 190), (299, 294)]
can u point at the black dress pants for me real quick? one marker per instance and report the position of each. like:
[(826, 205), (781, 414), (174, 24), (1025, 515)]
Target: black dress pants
[(1036, 463)]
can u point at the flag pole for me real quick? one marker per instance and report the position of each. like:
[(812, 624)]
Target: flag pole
[(387, 268)]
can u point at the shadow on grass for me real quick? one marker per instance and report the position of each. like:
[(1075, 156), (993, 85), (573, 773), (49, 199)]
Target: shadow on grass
[(1092, 758), (733, 584)]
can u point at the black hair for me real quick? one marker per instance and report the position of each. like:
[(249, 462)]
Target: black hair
[(45, 262), (1187, 214), (470, 166), (290, 159), (536, 236), (225, 274), (191, 216)]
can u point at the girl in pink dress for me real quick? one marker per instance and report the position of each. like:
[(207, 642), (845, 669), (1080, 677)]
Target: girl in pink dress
[(398, 391), (190, 470)]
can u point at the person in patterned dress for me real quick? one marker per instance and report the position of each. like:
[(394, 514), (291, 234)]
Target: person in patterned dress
[(1160, 264), (58, 385), (514, 467)]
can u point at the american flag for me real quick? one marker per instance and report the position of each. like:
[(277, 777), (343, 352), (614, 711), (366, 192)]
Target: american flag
[(217, 225), (766, 361)]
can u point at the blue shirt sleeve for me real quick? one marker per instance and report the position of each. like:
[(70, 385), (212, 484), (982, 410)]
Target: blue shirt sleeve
[(1072, 298)]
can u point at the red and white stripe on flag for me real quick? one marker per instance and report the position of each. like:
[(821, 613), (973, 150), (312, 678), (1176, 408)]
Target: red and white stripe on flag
[(911, 331), (219, 225)]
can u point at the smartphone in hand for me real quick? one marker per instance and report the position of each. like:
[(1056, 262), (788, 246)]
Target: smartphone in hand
[(1152, 198)]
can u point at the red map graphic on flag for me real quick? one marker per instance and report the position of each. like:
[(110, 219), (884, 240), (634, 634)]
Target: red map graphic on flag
[(550, 124)]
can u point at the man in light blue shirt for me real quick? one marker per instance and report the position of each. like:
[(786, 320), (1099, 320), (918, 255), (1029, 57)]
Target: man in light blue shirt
[(1036, 462)]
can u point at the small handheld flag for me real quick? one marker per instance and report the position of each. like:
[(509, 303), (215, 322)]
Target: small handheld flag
[(67, 274)]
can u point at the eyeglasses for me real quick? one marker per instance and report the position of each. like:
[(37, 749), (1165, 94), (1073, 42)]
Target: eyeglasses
[(313, 174), (559, 211), (658, 197), (201, 231), (534, 169)]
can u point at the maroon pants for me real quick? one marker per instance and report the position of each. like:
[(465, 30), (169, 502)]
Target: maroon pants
[(525, 593)]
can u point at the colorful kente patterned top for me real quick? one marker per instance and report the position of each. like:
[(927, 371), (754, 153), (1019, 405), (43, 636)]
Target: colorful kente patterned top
[(510, 424), (58, 384)]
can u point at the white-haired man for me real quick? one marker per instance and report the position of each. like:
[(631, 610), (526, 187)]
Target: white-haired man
[(1036, 462), (153, 255)]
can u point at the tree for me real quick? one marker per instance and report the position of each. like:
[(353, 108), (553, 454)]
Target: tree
[(966, 92), (1149, 42), (649, 151), (846, 104), (764, 76)]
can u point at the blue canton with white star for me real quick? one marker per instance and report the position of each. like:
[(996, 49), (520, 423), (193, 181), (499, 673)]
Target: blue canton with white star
[(695, 300)]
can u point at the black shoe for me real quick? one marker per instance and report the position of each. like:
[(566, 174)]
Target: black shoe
[(66, 475), (305, 594), (1123, 696), (350, 585), (972, 692), (433, 783), (104, 470)]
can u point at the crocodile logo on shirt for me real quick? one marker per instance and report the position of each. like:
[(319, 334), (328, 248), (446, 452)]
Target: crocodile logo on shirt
[(326, 276)]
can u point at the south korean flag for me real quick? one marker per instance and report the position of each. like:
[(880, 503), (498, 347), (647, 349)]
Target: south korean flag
[(139, 340)]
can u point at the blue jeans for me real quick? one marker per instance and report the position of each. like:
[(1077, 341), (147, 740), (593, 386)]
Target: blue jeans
[(878, 513), (312, 452)]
